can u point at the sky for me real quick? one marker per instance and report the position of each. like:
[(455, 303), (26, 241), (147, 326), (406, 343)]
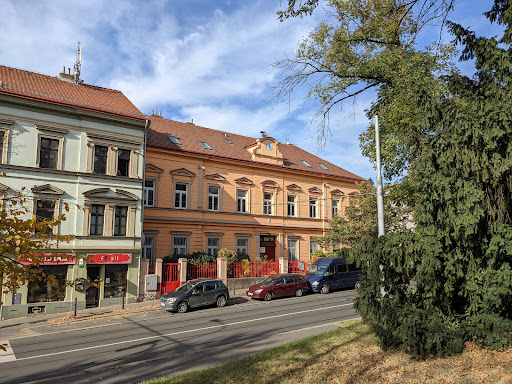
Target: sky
[(201, 59)]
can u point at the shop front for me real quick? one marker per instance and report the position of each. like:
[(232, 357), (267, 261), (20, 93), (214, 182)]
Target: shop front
[(90, 280)]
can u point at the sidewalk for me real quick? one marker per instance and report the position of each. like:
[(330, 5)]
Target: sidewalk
[(21, 326)]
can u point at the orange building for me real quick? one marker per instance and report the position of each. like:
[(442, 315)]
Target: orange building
[(207, 189)]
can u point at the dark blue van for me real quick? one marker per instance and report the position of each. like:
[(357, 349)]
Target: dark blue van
[(329, 273)]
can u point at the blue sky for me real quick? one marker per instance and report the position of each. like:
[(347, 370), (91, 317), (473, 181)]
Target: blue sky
[(208, 60)]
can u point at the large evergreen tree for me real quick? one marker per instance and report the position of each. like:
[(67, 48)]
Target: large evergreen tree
[(450, 279)]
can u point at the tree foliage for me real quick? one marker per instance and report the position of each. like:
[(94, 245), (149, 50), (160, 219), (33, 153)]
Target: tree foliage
[(450, 280), (24, 237), (359, 218)]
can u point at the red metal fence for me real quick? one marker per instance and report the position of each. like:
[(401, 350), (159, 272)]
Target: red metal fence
[(253, 269), (295, 267), (202, 271), (170, 277)]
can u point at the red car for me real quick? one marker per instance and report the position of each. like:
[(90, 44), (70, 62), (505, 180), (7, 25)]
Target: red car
[(286, 284)]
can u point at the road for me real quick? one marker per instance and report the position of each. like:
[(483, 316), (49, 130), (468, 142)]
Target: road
[(138, 347)]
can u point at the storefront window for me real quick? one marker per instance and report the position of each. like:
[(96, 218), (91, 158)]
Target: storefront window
[(115, 280), (50, 287)]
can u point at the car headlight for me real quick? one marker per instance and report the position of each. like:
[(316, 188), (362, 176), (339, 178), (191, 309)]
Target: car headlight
[(315, 283), (171, 300), (258, 290)]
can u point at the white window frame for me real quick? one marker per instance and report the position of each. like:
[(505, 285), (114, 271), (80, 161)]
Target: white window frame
[(4, 145), (313, 207), (210, 248), (179, 247), (147, 190), (149, 248), (291, 206), (51, 136), (335, 207), (268, 146), (181, 194), (242, 248), (214, 198), (268, 204), (245, 201), (295, 248), (313, 246)]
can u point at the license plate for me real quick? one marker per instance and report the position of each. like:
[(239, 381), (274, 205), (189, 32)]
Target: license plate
[(249, 293)]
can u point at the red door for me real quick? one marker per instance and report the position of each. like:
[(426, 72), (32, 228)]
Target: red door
[(268, 247)]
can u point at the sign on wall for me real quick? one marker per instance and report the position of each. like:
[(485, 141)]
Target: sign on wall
[(109, 258), (267, 239), (51, 259)]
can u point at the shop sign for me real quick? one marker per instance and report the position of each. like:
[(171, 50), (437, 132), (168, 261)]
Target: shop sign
[(267, 239), (51, 258), (109, 258)]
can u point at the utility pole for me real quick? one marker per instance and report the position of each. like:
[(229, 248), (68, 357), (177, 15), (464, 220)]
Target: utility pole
[(380, 198)]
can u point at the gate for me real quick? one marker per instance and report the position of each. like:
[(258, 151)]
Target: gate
[(170, 277)]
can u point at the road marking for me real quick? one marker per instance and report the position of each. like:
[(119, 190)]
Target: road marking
[(6, 352), (181, 332)]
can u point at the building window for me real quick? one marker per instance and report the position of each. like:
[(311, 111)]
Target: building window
[(313, 246), (267, 203), (4, 141), (49, 153), (121, 213), (242, 246), (335, 207), (228, 141), (213, 246), (268, 146), (115, 280), (213, 198), (292, 205), (312, 207), (173, 139), (323, 166), (179, 246), (149, 193), (180, 195), (292, 250), (205, 145), (123, 162), (305, 163), (241, 201), (148, 249), (45, 210), (97, 218), (51, 287), (100, 159)]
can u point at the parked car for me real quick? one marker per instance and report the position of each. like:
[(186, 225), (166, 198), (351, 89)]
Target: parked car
[(195, 293), (328, 273), (278, 286)]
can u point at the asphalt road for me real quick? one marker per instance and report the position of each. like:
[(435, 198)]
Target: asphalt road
[(138, 347)]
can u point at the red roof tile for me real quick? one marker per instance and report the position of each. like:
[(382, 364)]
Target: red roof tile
[(189, 136), (51, 89)]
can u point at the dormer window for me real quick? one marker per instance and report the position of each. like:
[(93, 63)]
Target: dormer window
[(228, 141), (173, 139), (323, 166), (305, 163), (268, 146), (205, 145)]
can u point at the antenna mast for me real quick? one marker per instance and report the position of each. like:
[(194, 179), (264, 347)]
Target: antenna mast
[(78, 64)]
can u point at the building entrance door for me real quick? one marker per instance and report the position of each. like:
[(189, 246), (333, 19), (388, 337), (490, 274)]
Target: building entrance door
[(268, 247), (92, 294)]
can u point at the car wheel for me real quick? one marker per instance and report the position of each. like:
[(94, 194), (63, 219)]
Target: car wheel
[(268, 296), (325, 289), (298, 292), (182, 307), (221, 301), (358, 285)]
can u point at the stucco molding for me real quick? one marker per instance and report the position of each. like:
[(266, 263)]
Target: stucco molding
[(183, 172)]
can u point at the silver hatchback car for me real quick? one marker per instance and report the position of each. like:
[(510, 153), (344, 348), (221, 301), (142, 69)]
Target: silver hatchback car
[(195, 293)]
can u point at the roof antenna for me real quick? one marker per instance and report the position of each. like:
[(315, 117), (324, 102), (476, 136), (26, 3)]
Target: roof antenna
[(78, 64)]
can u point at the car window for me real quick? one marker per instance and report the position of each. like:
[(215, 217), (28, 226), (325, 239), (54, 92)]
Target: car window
[(352, 268), (331, 269), (210, 286), (198, 288), (342, 268), (298, 279), (281, 281), (289, 280)]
